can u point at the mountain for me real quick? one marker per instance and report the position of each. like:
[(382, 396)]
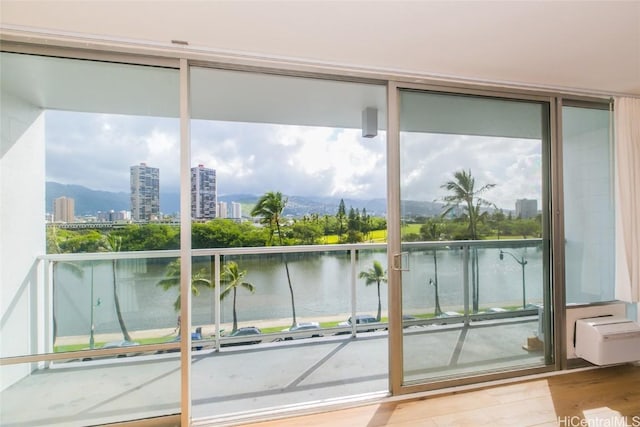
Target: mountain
[(89, 202)]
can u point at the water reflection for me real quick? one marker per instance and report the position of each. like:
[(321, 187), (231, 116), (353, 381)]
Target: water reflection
[(321, 283)]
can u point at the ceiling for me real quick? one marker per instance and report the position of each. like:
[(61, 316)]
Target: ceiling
[(588, 46)]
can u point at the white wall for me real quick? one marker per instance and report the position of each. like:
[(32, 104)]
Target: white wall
[(22, 229)]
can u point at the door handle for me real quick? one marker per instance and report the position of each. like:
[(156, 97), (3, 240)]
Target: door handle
[(401, 261)]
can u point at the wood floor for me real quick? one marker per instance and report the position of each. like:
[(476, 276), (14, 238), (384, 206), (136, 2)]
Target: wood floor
[(599, 397)]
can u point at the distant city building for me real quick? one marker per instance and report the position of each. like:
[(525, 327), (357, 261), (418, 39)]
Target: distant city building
[(113, 216), (204, 195), (223, 210), (64, 209), (236, 210), (526, 208), (145, 193)]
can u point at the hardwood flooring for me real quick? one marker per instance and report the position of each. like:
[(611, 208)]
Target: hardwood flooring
[(599, 397)]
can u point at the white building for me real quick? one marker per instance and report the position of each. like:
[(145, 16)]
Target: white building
[(526, 208), (223, 210), (236, 210)]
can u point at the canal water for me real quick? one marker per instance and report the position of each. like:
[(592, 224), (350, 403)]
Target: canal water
[(321, 284)]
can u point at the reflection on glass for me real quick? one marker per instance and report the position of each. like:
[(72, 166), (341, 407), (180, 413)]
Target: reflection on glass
[(471, 193)]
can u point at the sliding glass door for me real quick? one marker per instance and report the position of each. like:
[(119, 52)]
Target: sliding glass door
[(472, 257)]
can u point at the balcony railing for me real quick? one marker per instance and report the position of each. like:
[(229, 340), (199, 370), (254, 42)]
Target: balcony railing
[(91, 298)]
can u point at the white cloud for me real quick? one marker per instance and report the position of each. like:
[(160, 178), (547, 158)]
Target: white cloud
[(96, 151), (429, 160)]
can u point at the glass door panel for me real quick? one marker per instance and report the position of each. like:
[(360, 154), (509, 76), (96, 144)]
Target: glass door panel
[(287, 166), (475, 276)]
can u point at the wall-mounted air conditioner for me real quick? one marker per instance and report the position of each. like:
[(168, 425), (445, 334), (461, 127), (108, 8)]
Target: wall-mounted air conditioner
[(608, 340)]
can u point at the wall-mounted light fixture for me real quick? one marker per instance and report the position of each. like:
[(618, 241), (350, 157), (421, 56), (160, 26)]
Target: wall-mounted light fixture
[(369, 122)]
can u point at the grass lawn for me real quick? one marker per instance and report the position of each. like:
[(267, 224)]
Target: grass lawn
[(376, 236)]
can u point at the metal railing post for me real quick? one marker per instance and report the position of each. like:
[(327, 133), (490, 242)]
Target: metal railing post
[(354, 323), (216, 296), (465, 280)]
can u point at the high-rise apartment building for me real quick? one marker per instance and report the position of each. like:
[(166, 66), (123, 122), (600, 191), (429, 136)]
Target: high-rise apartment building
[(223, 210), (204, 195), (236, 210), (145, 193), (63, 209), (526, 208)]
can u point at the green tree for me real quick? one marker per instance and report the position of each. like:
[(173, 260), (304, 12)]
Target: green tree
[(463, 192), (226, 233), (375, 275), (149, 237), (269, 208), (526, 227), (113, 243), (353, 220), (172, 280), (68, 241), (341, 217), (233, 277), (307, 232)]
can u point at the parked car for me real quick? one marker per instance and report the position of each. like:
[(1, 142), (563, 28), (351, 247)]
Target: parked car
[(195, 336), (360, 319), (248, 331), (115, 344), (312, 328)]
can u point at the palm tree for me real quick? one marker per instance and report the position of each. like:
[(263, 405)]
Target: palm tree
[(375, 275), (269, 207), (172, 279), (463, 192), (234, 278), (113, 243)]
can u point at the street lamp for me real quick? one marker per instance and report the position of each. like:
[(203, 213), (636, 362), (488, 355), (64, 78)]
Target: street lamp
[(522, 262), (98, 302)]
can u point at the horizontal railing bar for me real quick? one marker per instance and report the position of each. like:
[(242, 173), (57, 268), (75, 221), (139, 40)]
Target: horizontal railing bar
[(84, 354), (107, 256), (507, 243), (288, 249), (103, 256)]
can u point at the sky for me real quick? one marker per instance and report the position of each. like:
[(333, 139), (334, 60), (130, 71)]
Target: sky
[(96, 151)]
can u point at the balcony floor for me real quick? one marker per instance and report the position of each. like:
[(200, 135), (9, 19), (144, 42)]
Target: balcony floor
[(258, 377)]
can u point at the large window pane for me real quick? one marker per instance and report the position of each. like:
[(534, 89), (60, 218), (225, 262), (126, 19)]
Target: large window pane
[(472, 207), (298, 144), (588, 205), (80, 134)]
